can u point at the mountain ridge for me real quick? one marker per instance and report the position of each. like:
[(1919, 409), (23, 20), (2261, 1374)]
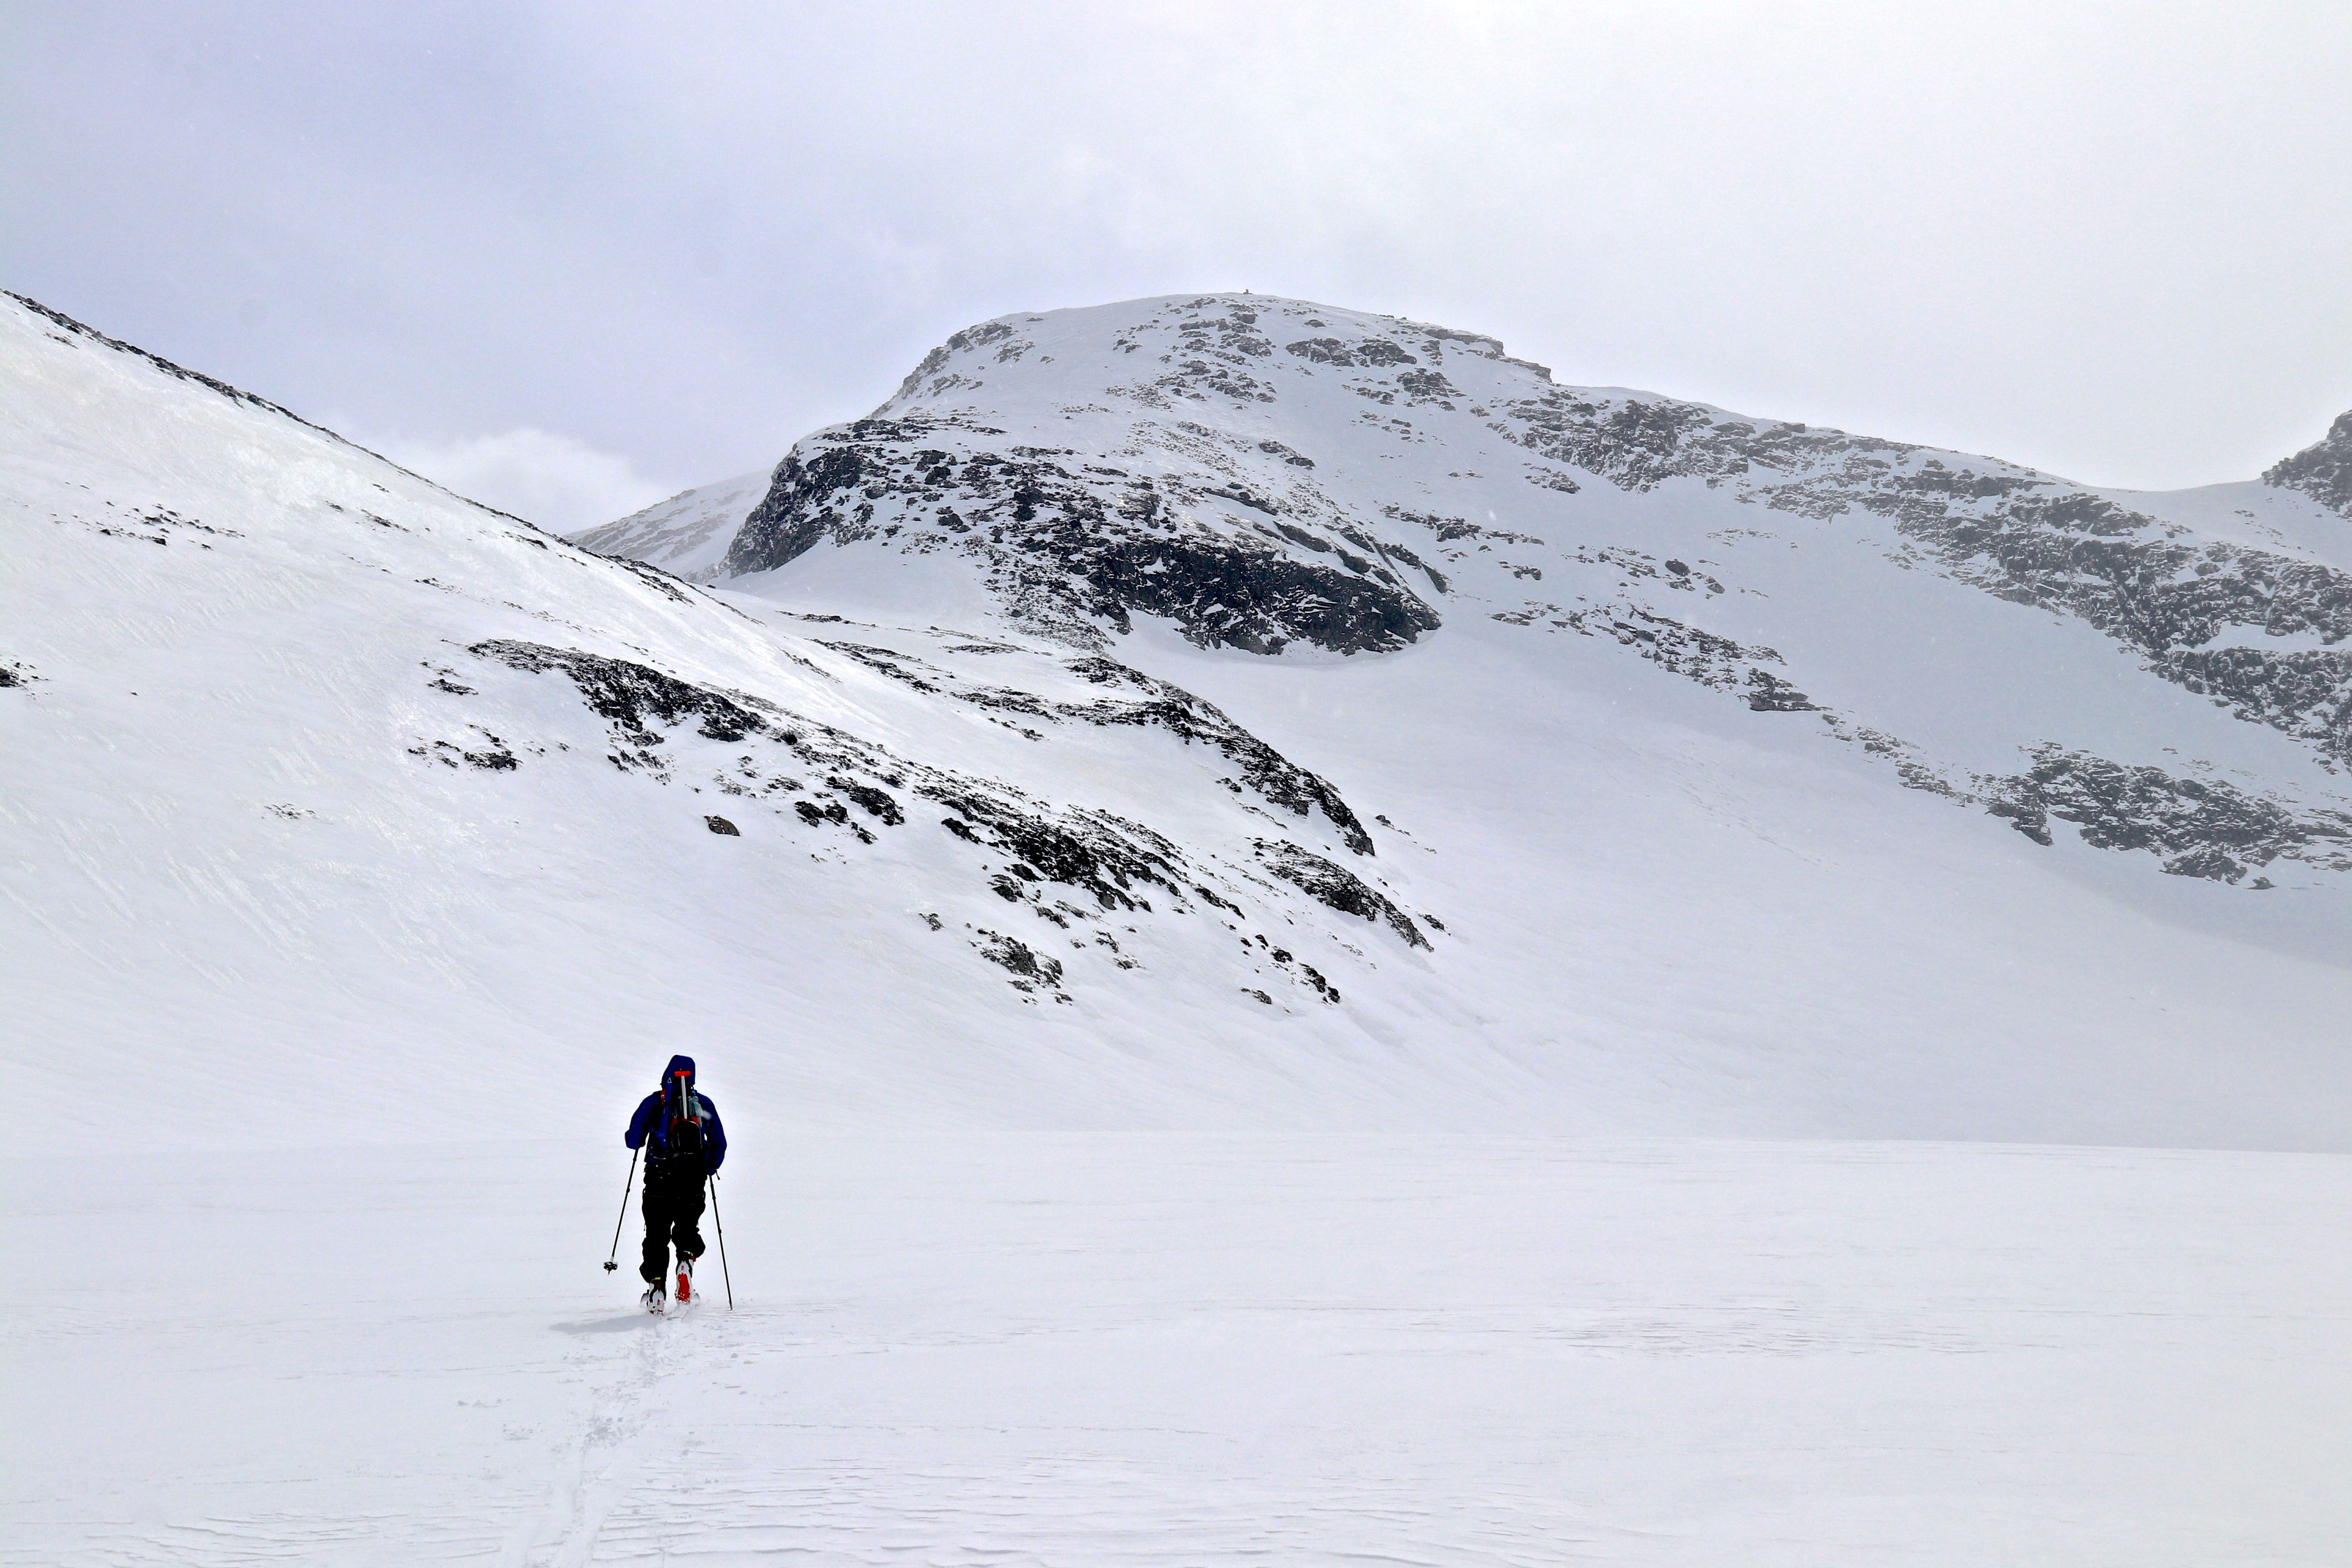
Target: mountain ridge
[(1241, 537), (322, 783)]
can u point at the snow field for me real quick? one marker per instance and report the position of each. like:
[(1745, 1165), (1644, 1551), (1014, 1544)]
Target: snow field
[(1439, 1275), (1120, 1348)]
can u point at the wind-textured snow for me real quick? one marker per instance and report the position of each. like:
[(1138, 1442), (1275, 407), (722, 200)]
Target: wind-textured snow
[(1279, 909), (1121, 1349)]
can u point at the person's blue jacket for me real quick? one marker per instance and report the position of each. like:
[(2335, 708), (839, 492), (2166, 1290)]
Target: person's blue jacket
[(648, 1122)]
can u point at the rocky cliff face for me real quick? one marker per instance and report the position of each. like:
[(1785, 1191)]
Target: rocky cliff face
[(1267, 474)]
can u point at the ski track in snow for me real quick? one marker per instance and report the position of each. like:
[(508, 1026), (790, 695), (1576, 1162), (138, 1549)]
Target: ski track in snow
[(1140, 1349)]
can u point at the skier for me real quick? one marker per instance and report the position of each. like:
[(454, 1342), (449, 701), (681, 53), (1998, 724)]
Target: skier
[(684, 1144)]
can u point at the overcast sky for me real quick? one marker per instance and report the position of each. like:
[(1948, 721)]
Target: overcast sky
[(574, 258)]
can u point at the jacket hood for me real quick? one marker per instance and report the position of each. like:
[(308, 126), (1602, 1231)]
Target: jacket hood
[(679, 1065)]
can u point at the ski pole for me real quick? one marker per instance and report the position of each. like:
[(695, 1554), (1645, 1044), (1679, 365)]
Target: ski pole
[(609, 1265), (721, 1225)]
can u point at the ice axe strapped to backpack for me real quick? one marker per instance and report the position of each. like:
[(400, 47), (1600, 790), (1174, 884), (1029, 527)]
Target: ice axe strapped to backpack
[(682, 1131)]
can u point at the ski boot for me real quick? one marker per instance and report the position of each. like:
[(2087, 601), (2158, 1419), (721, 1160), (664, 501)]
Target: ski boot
[(653, 1298), (685, 1280)]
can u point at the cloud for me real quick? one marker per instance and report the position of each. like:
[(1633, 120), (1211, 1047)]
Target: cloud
[(553, 480), (2097, 237)]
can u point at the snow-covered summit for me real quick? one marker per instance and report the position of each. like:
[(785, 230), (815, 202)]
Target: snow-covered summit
[(1264, 474)]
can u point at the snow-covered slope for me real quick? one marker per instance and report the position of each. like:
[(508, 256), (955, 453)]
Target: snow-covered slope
[(324, 785), (337, 810), (686, 535), (328, 794)]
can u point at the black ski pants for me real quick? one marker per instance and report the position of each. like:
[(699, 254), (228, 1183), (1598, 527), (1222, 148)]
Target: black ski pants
[(672, 1210)]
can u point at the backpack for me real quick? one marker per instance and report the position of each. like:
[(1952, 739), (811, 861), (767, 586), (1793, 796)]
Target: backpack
[(682, 1135)]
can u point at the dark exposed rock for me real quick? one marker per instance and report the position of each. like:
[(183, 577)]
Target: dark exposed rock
[(493, 757), (2125, 573), (1164, 705), (1268, 771), (1029, 968), (635, 699), (2023, 537), (628, 693), (1699, 656), (1234, 539), (1767, 693), (872, 801), (1450, 528), (2210, 860), (2199, 826), (720, 825), (1321, 351), (2308, 694), (2027, 815), (1107, 856), (1420, 384), (1073, 547), (1336, 886), (1635, 443), (2205, 827), (970, 338), (888, 662), (2322, 471), (1070, 547), (810, 498)]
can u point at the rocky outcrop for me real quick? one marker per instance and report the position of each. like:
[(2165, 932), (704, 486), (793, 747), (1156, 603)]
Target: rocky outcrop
[(2152, 585), (1337, 887), (2322, 471), (1159, 704), (1077, 869), (2202, 827), (1073, 546)]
